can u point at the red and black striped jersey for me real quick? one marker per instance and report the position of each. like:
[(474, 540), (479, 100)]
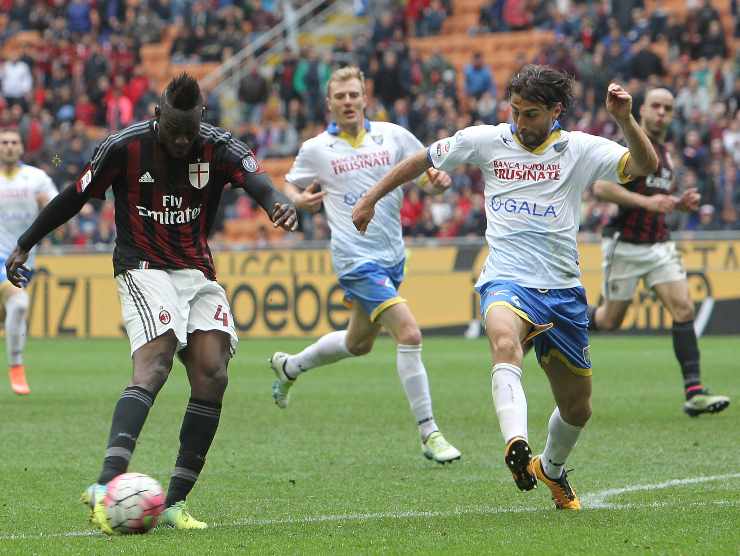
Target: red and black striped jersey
[(165, 207), (637, 225)]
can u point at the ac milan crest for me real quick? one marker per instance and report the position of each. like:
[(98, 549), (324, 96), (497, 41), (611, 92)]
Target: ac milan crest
[(164, 316), (249, 163), (198, 174)]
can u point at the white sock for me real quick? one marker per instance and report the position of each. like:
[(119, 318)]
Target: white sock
[(16, 311), (561, 439), (415, 383), (329, 348), (509, 400)]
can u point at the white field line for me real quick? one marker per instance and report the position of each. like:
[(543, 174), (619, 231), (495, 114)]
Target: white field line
[(597, 500)]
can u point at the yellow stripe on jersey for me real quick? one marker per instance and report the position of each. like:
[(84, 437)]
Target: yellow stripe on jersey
[(622, 167), (353, 141), (385, 305), (12, 174), (554, 136)]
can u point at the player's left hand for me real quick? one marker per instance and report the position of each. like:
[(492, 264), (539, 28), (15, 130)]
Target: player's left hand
[(689, 200), (618, 103), (284, 216), (362, 214), (439, 181), (16, 269)]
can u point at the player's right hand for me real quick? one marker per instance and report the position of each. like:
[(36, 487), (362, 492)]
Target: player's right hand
[(665, 204), (15, 268), (310, 198), (362, 214)]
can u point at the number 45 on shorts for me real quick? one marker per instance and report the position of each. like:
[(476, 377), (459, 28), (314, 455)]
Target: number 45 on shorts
[(222, 315)]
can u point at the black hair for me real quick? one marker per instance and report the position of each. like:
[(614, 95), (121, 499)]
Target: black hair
[(542, 84), (183, 92)]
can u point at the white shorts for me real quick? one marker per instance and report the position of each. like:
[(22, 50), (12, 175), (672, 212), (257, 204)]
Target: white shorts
[(624, 264), (155, 301)]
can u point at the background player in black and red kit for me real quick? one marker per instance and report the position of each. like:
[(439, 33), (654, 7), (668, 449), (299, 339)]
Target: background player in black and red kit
[(167, 176), (637, 245)]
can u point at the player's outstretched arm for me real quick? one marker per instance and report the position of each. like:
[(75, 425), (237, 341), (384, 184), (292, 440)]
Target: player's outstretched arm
[(405, 171), (278, 207), (642, 160), (59, 210), (614, 193)]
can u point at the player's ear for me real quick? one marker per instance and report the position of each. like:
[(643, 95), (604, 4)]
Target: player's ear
[(157, 111), (557, 111), (203, 112)]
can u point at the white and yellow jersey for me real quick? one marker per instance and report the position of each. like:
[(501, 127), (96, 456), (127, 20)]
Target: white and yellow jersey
[(20, 194), (346, 168), (533, 198)]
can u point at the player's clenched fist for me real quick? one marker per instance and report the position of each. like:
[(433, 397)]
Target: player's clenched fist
[(618, 102), (363, 213), (439, 181), (689, 200)]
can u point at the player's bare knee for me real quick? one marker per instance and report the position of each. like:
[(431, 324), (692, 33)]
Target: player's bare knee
[(409, 335), (152, 374), (359, 347), (216, 382), (507, 348), (683, 312), (210, 379)]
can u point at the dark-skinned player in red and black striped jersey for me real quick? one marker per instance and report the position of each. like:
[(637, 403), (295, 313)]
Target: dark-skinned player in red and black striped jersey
[(167, 176), (637, 245)]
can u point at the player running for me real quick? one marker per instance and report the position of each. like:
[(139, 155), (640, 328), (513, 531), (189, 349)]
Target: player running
[(24, 191), (535, 173), (336, 168), (167, 176), (637, 245)]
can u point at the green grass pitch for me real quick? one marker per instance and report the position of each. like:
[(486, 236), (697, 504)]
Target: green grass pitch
[(341, 471)]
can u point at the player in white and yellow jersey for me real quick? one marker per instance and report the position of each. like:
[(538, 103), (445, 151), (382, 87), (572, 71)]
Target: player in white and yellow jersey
[(535, 173), (24, 191), (337, 167)]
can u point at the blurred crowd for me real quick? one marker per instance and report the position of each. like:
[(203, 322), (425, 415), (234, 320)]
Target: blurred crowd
[(86, 74)]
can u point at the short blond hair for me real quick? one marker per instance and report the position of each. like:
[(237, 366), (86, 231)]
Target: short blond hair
[(345, 74)]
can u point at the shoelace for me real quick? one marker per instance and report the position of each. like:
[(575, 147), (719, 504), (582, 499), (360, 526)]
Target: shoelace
[(564, 485)]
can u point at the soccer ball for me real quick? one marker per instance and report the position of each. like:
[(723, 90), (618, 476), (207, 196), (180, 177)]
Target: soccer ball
[(133, 503)]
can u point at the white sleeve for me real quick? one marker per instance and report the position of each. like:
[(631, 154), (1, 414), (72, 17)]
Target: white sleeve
[(408, 144), (446, 154), (606, 159), (44, 186), (303, 172)]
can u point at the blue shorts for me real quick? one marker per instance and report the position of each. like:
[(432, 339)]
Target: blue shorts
[(560, 319), (374, 287)]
